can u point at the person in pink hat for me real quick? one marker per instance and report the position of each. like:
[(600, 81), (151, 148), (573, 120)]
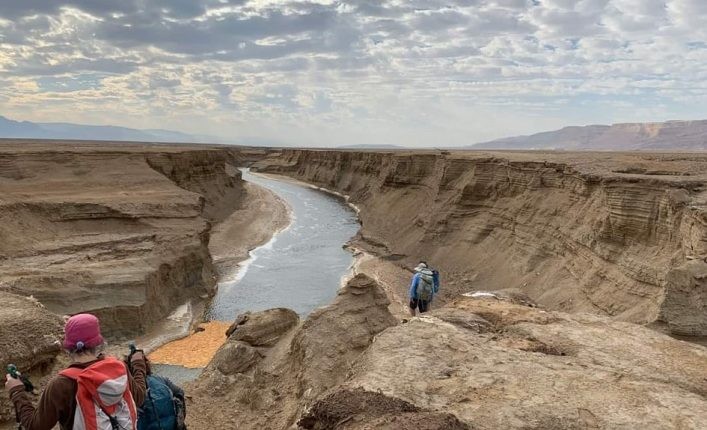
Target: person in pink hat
[(65, 396)]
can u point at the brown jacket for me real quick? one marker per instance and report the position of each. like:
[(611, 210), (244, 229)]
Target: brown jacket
[(57, 404)]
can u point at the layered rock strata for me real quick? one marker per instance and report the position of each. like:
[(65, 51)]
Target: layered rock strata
[(576, 232), (120, 232)]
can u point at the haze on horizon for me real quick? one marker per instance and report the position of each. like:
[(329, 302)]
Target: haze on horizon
[(328, 73)]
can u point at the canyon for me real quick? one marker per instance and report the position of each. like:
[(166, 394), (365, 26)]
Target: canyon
[(621, 235), (589, 260)]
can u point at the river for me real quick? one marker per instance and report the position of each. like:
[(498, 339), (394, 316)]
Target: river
[(300, 268)]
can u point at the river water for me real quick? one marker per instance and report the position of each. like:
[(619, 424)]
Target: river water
[(302, 266)]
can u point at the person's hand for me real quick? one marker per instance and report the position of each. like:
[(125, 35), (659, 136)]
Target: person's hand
[(11, 382), (137, 356)]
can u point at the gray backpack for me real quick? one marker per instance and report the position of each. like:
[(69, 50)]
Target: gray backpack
[(425, 288)]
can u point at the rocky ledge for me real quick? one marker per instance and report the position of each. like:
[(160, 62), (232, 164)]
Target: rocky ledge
[(482, 363)]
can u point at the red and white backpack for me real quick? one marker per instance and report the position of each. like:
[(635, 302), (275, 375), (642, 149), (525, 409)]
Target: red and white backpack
[(103, 399)]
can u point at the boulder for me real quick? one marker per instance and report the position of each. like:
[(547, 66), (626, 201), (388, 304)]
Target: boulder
[(262, 328), (235, 357)]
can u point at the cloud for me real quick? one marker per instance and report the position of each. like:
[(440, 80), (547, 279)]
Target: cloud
[(325, 71)]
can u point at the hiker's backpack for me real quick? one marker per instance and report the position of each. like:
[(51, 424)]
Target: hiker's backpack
[(425, 287), (162, 409), (103, 398)]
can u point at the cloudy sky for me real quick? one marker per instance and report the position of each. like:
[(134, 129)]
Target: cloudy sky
[(324, 72)]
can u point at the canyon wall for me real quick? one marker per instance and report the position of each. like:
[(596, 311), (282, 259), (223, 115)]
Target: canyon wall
[(118, 230), (623, 235)]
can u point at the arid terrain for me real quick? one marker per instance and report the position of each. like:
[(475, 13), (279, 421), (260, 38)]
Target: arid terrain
[(591, 261)]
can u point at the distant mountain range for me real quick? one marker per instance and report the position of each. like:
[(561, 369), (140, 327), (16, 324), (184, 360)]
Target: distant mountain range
[(670, 135), (60, 130), (667, 136), (371, 146)]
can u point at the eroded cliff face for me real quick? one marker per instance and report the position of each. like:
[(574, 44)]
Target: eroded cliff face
[(579, 233), (120, 232)]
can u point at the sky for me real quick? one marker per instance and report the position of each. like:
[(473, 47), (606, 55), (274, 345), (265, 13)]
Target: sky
[(330, 73)]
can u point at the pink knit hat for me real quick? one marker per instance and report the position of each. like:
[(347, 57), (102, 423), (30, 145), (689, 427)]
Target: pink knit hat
[(82, 331)]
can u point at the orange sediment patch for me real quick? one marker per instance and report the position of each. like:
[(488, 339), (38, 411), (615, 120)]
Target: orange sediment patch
[(195, 350)]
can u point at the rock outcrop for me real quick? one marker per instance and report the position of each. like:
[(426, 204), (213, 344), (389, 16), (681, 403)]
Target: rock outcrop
[(303, 364), (481, 363), (685, 305), (30, 338), (579, 233), (538, 370), (235, 357), (333, 336)]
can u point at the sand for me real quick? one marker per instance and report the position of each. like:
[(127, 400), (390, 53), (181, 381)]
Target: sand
[(194, 351)]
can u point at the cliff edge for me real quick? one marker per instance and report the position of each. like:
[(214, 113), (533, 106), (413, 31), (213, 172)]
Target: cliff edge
[(475, 363)]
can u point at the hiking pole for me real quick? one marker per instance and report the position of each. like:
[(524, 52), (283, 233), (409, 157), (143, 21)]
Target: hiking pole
[(12, 371), (133, 350)]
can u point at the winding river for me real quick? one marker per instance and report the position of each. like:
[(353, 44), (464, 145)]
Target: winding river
[(302, 266)]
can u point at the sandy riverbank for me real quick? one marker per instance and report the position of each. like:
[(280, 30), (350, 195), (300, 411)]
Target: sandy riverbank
[(262, 215)]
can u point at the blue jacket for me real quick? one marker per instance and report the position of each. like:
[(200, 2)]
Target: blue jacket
[(412, 292)]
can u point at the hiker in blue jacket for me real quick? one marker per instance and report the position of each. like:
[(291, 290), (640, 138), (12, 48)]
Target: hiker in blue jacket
[(424, 285)]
